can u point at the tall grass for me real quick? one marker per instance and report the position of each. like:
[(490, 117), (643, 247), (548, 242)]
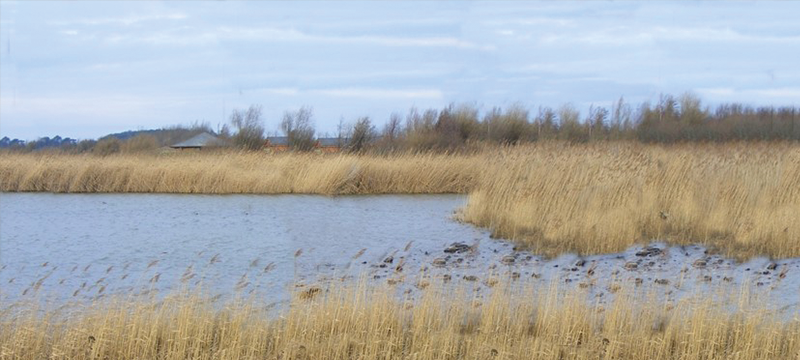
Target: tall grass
[(240, 172), (743, 198), (366, 322)]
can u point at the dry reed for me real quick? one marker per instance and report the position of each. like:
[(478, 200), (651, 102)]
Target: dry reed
[(742, 198), (237, 173), (365, 322)]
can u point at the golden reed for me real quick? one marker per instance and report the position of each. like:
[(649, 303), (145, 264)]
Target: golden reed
[(742, 198), (357, 321)]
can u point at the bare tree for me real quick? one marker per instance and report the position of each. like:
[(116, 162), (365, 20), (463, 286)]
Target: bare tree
[(393, 128), (249, 128), (362, 135), (298, 126)]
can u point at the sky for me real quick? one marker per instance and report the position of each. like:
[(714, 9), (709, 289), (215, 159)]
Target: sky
[(84, 69)]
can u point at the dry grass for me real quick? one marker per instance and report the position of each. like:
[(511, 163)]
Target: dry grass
[(234, 173), (743, 198), (362, 322)]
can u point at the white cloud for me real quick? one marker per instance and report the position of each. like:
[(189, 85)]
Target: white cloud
[(761, 95), (188, 36), (638, 35), (377, 93), (126, 21), (282, 91)]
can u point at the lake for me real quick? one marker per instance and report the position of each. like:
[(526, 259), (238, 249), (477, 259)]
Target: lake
[(64, 247)]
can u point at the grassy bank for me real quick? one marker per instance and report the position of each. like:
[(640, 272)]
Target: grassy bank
[(742, 198), (240, 173), (362, 322)]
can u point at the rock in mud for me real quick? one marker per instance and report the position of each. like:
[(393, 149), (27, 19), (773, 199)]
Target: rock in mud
[(457, 248), (389, 260), (662, 281), (700, 263), (630, 265), (470, 278), (439, 262), (580, 263), (649, 251), (772, 266), (508, 260)]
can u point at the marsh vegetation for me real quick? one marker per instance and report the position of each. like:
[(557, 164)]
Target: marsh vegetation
[(552, 197)]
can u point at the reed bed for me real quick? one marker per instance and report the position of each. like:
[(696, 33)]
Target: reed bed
[(358, 321), (239, 173), (552, 197), (741, 198)]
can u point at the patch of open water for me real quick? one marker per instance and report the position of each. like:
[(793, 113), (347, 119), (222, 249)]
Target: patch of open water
[(65, 247)]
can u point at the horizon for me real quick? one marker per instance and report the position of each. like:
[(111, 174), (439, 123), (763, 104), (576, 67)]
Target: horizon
[(86, 70)]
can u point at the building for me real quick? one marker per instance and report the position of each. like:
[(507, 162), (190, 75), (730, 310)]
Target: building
[(329, 145), (202, 141), (276, 143)]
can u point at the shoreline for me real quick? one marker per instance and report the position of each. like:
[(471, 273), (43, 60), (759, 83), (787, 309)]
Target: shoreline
[(550, 198)]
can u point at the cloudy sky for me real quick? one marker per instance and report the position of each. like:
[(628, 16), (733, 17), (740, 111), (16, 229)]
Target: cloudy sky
[(85, 69)]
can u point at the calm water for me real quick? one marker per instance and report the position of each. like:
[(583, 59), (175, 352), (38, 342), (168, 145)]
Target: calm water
[(62, 247), (236, 242)]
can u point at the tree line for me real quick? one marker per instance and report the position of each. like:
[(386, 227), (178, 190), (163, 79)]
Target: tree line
[(458, 126)]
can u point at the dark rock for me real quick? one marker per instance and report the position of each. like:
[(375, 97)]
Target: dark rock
[(470, 278), (630, 265), (649, 251), (389, 260), (457, 248), (439, 262), (580, 263), (699, 263), (662, 281), (772, 266), (508, 259)]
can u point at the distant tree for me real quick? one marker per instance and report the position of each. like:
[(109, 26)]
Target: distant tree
[(393, 128), (298, 126), (596, 122), (139, 143), (571, 129), (546, 123), (249, 128), (392, 134), (363, 132), (107, 146)]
